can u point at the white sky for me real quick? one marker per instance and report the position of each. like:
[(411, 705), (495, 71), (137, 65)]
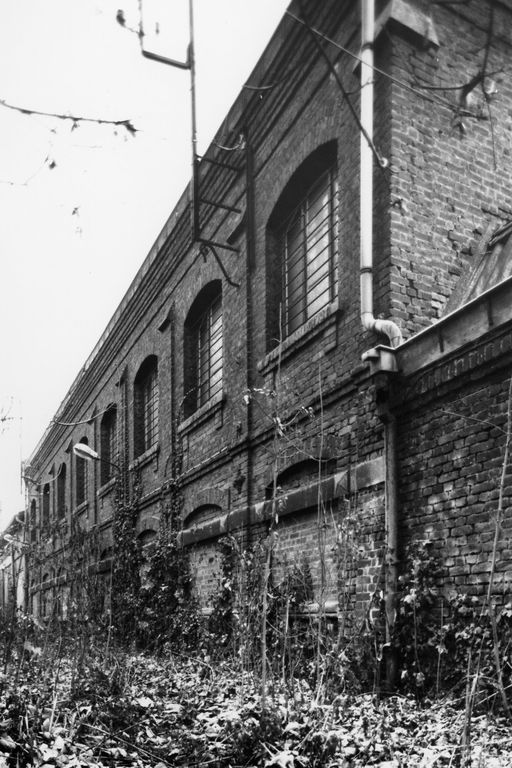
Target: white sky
[(72, 238)]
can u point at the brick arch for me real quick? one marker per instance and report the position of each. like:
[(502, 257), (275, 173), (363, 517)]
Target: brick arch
[(147, 523), (316, 448), (146, 537), (206, 513), (291, 161), (207, 497)]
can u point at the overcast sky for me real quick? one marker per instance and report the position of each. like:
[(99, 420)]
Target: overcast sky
[(81, 206)]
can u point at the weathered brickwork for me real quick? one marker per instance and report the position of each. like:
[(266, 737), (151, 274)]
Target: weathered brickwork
[(205, 569), (452, 435), (301, 414), (448, 169)]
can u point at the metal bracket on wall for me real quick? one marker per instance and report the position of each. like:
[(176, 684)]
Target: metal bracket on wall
[(197, 198)]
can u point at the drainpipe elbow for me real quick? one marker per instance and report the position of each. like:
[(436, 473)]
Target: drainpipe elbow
[(391, 330), (387, 327)]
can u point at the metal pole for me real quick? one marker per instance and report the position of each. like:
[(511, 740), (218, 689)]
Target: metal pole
[(195, 162)]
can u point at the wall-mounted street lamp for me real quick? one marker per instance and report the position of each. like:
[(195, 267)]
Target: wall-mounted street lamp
[(87, 453), (83, 451), (15, 543)]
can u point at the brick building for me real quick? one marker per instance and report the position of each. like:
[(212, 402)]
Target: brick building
[(233, 366)]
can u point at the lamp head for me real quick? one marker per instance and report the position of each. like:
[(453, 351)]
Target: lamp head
[(83, 451)]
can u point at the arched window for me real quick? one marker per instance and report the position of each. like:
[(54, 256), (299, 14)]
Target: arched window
[(108, 444), (61, 491), (81, 476), (146, 406), (146, 538), (46, 504), (203, 341), (205, 513), (302, 238), (33, 520)]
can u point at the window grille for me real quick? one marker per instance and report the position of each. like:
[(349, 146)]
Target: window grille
[(108, 444), (310, 245), (146, 407), (208, 333), (203, 348)]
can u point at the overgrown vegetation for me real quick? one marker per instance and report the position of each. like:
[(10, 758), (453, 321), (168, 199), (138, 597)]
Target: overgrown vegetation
[(80, 698), (120, 709), (123, 667)]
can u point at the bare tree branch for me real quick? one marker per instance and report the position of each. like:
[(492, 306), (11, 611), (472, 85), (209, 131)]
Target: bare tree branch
[(75, 119)]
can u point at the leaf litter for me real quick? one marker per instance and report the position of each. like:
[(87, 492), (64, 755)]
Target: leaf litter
[(142, 711)]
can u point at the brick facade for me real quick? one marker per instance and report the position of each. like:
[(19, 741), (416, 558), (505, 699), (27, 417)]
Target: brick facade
[(445, 185)]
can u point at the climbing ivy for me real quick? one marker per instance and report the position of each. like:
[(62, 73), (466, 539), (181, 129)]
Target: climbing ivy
[(126, 560)]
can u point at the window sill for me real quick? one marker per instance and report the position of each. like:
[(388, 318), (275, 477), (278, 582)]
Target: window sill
[(323, 323), (82, 507), (205, 412), (145, 457), (107, 487)]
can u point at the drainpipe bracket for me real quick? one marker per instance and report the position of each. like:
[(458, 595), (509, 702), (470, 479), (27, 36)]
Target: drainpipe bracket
[(382, 359)]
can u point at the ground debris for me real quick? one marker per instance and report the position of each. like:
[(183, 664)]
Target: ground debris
[(140, 711)]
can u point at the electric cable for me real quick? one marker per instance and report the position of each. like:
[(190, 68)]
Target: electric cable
[(382, 162), (395, 80), (84, 421)]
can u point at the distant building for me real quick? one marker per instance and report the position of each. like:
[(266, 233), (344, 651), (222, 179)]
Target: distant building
[(12, 565), (233, 367)]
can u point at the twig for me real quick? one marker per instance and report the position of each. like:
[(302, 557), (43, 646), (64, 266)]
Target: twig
[(75, 119)]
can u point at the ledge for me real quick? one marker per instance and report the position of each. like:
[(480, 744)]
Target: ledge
[(145, 457), (106, 488), (411, 19), (82, 507), (102, 566), (464, 325), (207, 411), (322, 323), (365, 475)]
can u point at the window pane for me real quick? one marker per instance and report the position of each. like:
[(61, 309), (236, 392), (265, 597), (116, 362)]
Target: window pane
[(310, 253), (146, 406), (209, 353), (150, 410)]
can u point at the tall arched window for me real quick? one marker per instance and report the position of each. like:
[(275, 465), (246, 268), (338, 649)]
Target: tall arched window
[(46, 504), (302, 238), (108, 444), (61, 491), (146, 406), (81, 476), (203, 342)]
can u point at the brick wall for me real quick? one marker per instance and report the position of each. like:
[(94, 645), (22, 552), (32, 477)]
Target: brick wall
[(449, 170), (452, 443), (431, 205)]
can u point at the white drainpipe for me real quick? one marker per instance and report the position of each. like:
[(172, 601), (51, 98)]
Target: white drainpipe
[(388, 327), (370, 323)]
